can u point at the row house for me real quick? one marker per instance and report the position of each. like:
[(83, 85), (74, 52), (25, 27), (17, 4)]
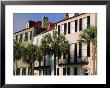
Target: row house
[(26, 36), (79, 59)]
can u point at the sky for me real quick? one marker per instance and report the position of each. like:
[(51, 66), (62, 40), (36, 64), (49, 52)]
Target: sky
[(20, 19)]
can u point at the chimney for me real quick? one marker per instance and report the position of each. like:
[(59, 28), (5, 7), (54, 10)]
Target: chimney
[(66, 15), (30, 23), (44, 21)]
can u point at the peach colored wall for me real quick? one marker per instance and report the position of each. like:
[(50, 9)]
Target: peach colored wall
[(73, 37)]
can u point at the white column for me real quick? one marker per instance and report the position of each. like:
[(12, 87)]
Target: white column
[(28, 36), (27, 71), (21, 71)]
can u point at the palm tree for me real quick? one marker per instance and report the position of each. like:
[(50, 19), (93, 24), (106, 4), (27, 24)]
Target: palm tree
[(90, 35), (54, 45), (17, 53), (29, 54)]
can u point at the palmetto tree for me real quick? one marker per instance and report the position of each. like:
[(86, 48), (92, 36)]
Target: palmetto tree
[(90, 35), (55, 45), (29, 54), (17, 53)]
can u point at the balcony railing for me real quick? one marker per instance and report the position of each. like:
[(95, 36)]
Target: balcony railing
[(79, 61)]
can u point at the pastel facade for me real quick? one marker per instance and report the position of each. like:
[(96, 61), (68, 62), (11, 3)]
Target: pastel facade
[(80, 60)]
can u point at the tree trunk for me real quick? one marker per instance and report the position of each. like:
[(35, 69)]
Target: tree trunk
[(54, 64)]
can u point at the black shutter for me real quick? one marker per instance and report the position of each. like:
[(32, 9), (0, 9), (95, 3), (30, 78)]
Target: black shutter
[(76, 22), (80, 50), (16, 38), (57, 71), (64, 56), (75, 53), (65, 27), (88, 21), (80, 24), (58, 29), (75, 71), (64, 70), (88, 49), (68, 70), (68, 27)]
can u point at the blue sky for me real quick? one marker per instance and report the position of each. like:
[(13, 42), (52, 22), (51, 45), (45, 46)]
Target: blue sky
[(20, 19)]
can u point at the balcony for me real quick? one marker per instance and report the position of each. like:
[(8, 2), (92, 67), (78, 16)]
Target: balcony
[(79, 61)]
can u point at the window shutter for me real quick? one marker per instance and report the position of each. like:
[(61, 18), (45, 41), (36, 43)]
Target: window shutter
[(80, 50), (80, 24), (88, 21), (76, 22), (75, 71), (64, 71), (57, 71), (68, 27), (68, 70), (58, 29), (88, 49), (65, 27), (75, 53), (64, 56)]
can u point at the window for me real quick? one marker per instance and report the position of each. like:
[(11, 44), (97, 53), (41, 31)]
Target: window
[(48, 71), (58, 29), (68, 70), (75, 71), (68, 27), (72, 27), (80, 24), (65, 28), (71, 70), (16, 37), (88, 49), (80, 50), (57, 71), (30, 35), (20, 37), (88, 21), (76, 23), (23, 71), (84, 23), (18, 71), (26, 36), (75, 53), (64, 70)]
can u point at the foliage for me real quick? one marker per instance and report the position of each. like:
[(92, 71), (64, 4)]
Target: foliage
[(89, 35)]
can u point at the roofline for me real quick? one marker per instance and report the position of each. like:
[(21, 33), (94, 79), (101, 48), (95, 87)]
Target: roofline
[(70, 17), (27, 29)]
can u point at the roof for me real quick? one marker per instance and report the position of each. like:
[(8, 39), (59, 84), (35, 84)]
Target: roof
[(70, 18)]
